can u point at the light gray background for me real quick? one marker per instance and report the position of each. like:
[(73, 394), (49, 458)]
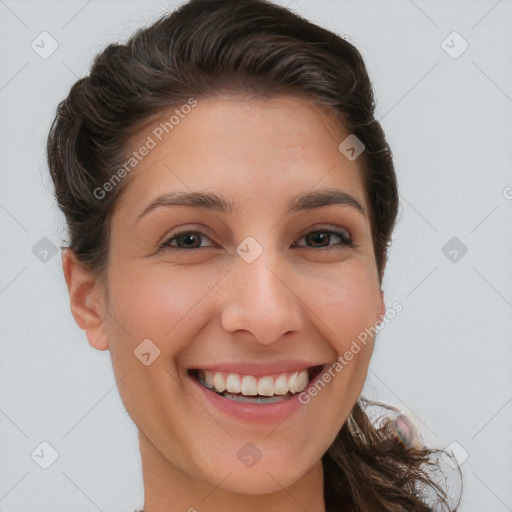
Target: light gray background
[(445, 358)]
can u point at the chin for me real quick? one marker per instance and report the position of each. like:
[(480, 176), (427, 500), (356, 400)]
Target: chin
[(264, 477), (257, 483)]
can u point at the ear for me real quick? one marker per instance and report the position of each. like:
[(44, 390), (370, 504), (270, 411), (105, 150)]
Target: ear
[(87, 300)]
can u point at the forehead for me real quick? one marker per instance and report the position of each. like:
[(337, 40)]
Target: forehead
[(252, 149)]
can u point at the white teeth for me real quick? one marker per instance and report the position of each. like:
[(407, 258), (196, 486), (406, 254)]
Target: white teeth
[(208, 377), (218, 382), (292, 382), (233, 383), (249, 385), (266, 386), (281, 385), (301, 382)]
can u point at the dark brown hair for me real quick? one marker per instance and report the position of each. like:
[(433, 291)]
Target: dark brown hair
[(254, 47)]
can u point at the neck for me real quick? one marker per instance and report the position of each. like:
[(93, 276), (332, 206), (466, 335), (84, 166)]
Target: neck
[(168, 489)]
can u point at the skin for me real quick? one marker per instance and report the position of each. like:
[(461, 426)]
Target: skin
[(208, 305)]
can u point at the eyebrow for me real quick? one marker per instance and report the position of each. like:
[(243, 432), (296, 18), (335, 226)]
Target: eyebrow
[(212, 201)]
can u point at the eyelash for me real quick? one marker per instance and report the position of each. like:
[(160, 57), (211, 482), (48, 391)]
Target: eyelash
[(343, 234)]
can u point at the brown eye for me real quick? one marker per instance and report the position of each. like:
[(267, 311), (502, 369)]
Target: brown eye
[(323, 238), (185, 240)]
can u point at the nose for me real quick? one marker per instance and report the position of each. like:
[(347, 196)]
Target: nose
[(260, 300)]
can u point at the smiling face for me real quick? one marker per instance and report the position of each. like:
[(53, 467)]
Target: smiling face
[(274, 274)]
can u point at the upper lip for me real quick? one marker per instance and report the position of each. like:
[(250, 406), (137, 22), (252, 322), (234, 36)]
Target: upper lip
[(258, 369)]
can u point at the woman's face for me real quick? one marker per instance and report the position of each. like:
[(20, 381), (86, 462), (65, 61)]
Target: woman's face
[(244, 288)]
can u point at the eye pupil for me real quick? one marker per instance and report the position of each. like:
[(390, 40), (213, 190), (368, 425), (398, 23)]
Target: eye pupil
[(317, 236), (190, 237)]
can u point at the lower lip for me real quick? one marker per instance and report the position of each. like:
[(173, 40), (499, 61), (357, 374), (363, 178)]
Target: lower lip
[(262, 413)]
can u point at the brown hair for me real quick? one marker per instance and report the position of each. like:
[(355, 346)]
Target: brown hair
[(210, 47)]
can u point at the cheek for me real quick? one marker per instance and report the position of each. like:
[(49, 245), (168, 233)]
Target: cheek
[(347, 304), (160, 302)]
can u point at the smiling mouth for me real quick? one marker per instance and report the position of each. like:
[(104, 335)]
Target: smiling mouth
[(266, 389)]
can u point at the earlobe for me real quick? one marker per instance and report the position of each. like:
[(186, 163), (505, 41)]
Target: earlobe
[(87, 300)]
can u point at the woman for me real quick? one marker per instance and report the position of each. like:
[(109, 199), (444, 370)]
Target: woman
[(230, 199)]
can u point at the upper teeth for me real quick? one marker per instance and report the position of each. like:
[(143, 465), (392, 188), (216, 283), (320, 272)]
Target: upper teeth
[(249, 385)]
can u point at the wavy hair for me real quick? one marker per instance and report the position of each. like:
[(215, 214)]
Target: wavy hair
[(211, 47)]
